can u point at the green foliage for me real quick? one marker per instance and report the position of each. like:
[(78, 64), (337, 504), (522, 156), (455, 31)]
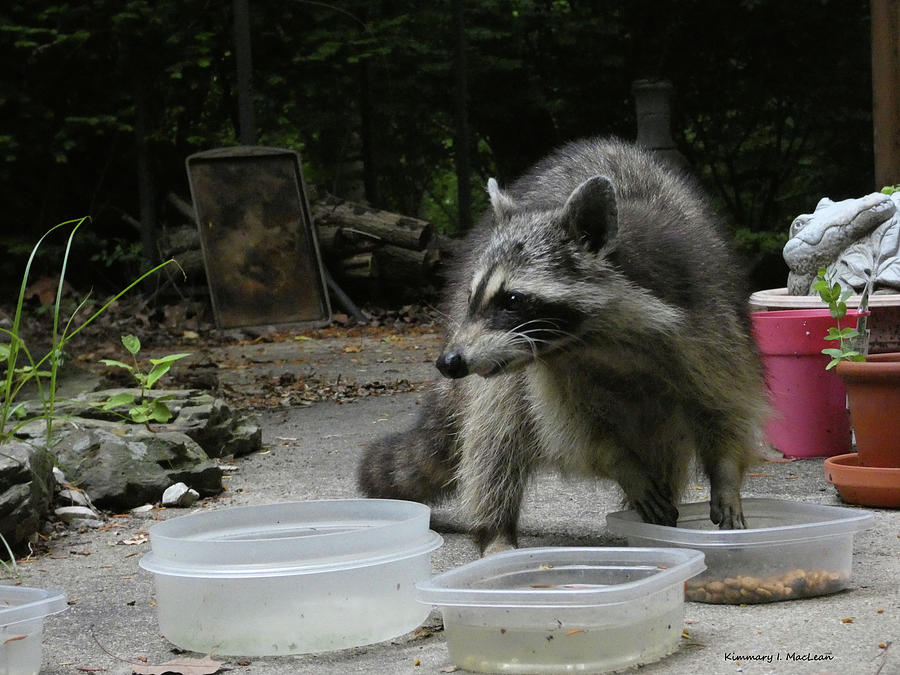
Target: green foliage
[(142, 410), (890, 189), (43, 371), (365, 90), (836, 299)]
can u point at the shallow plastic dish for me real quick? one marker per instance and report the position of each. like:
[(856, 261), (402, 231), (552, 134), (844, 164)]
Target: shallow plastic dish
[(22, 613), (790, 550), (291, 578), (550, 610)]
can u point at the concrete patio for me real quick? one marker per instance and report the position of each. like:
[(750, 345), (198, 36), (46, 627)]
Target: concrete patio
[(311, 451)]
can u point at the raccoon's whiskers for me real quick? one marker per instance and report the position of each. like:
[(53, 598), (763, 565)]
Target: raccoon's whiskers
[(446, 317)]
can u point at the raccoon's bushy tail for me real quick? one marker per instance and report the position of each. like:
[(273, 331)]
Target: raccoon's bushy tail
[(418, 465)]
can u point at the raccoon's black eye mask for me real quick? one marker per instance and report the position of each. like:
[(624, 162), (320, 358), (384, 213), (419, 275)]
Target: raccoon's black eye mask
[(514, 310)]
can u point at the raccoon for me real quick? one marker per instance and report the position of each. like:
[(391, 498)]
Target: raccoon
[(596, 324)]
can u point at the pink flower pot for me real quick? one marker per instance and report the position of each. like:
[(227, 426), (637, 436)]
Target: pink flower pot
[(809, 404)]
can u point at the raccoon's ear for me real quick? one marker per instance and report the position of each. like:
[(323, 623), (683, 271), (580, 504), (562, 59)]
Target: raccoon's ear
[(500, 201), (590, 215)]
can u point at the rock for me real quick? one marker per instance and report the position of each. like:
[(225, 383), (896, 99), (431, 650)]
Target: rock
[(73, 497), (209, 421), (179, 495), (119, 464), (217, 429), (26, 488), (131, 466), (67, 514)]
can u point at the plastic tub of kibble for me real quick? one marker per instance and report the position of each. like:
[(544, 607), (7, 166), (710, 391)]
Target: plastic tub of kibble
[(22, 614), (789, 550), (291, 578), (550, 610)]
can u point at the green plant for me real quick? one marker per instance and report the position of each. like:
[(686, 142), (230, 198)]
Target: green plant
[(10, 567), (836, 299), (43, 371), (143, 409)]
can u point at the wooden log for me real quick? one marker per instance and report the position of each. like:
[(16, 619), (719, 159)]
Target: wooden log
[(391, 228), (327, 236), (406, 262), (182, 207), (177, 239), (360, 266)]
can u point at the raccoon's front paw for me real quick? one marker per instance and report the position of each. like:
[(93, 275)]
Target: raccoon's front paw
[(657, 508), (727, 513)]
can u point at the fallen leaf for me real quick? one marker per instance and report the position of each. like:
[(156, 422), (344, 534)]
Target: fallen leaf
[(183, 666), (352, 349), (15, 638), (847, 619)]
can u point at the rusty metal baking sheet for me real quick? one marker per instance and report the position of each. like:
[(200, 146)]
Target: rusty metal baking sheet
[(259, 245)]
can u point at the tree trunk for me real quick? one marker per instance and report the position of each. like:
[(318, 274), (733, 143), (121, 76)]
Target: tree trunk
[(146, 201), (244, 63), (461, 141)]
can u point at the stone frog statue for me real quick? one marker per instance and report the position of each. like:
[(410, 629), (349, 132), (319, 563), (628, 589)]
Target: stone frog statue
[(856, 240)]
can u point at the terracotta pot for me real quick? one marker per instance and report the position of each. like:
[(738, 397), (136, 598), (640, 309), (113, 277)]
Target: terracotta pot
[(863, 485), (873, 390)]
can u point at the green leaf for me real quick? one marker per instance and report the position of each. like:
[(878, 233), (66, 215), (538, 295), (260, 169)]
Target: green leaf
[(139, 415), (125, 398), (168, 359), (118, 364), (131, 343), (833, 353), (157, 372), (160, 412)]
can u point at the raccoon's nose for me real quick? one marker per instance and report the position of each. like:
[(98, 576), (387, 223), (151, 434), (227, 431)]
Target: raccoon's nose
[(452, 364)]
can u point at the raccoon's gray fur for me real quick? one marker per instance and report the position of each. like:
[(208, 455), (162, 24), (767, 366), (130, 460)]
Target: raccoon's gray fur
[(605, 322)]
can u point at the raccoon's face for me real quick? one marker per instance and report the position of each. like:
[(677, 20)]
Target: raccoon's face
[(508, 323), (527, 291)]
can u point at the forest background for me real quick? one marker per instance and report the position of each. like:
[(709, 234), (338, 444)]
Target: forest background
[(412, 105)]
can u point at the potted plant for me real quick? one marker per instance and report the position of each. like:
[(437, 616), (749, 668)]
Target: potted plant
[(870, 476)]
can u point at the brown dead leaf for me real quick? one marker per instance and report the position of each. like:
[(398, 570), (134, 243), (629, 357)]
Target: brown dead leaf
[(184, 665)]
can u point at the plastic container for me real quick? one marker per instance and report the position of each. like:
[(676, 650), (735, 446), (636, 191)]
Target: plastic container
[(22, 613), (551, 610), (809, 403), (291, 578), (790, 550)]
